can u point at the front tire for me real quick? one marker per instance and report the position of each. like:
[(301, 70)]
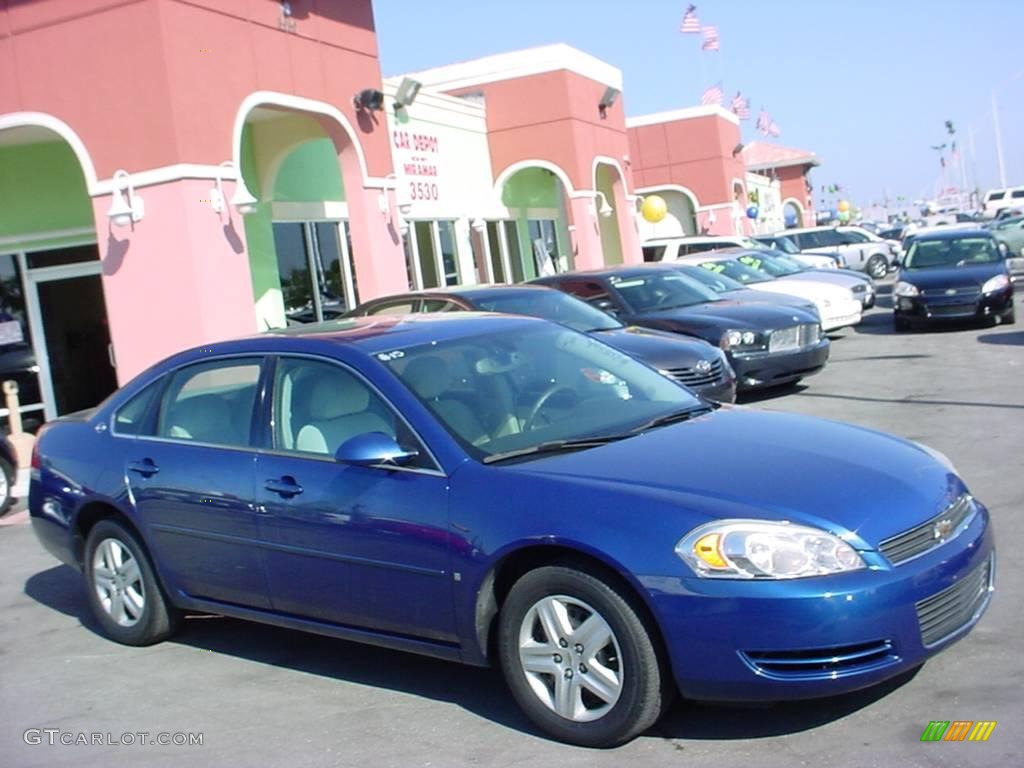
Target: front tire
[(580, 659), (7, 475), (877, 266), (124, 594)]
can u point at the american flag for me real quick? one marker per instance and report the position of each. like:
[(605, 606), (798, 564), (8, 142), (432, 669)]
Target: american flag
[(740, 106), (710, 39), (690, 25), (712, 95), (763, 119)]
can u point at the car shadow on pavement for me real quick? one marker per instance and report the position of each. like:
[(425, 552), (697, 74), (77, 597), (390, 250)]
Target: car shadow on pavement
[(1008, 339), (478, 690), (769, 393)]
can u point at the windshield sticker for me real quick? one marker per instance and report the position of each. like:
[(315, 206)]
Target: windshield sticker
[(713, 266), (387, 357)]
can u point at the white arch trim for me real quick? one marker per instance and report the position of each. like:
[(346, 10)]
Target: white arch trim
[(671, 188), (604, 159), (297, 104), (512, 170), (62, 129), (796, 203)]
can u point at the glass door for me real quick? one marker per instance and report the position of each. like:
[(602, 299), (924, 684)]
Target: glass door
[(314, 266)]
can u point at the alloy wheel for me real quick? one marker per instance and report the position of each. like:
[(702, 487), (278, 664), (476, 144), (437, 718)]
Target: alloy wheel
[(571, 658), (118, 582)]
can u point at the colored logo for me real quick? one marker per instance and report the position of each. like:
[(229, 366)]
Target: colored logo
[(942, 529), (958, 730)]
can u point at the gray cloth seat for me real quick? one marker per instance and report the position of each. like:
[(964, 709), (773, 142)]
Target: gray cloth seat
[(430, 378), (337, 409), (203, 418)]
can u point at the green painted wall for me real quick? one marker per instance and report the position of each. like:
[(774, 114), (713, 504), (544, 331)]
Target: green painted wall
[(42, 189), (310, 173), (259, 233)]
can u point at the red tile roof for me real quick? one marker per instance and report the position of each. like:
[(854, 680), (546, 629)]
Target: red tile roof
[(760, 155)]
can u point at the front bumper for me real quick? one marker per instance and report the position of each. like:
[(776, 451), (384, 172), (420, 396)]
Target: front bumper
[(766, 369), (956, 307), (774, 640), (841, 315), (723, 391)]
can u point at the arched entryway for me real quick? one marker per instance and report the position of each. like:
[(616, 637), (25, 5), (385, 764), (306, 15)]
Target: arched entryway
[(681, 216), (610, 194), (54, 332), (316, 226), (792, 213), (535, 240)]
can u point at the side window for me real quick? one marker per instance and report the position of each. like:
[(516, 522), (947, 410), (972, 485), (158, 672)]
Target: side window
[(592, 292), (439, 305), (394, 308), (1017, 194), (318, 406), (701, 247), (654, 252), (130, 418), (211, 402)]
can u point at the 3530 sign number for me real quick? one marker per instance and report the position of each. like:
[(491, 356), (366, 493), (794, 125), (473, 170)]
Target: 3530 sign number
[(422, 190)]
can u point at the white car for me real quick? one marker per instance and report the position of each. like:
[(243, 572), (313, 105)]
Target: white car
[(776, 264), (671, 248), (835, 304), (997, 200), (862, 235), (872, 257), (780, 242)]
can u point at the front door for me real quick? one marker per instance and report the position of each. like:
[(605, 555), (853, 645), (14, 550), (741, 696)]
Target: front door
[(359, 546)]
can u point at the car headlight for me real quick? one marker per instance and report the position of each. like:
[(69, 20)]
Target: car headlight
[(758, 549), (905, 289), (997, 283), (741, 341)]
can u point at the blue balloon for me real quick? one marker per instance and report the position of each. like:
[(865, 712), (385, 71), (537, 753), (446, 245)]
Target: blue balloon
[(752, 212)]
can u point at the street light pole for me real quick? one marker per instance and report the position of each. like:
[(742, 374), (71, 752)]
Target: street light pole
[(999, 142)]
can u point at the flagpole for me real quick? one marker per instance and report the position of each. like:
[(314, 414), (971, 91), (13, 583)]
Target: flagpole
[(999, 141)]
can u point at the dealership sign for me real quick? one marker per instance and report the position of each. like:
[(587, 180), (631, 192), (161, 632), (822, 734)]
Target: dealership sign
[(417, 159)]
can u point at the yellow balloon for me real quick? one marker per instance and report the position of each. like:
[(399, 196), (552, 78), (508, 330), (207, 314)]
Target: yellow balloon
[(843, 205), (653, 208)]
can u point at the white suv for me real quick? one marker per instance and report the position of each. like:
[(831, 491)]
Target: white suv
[(997, 200), (870, 256), (671, 248)]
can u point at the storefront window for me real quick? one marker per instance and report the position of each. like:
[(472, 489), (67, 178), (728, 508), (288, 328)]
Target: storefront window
[(433, 249), (494, 243), (427, 254), (17, 358), (515, 251), (544, 245), (449, 252), (314, 269)]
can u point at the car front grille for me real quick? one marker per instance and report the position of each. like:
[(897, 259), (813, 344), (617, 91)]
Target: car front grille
[(695, 377), (961, 292), (942, 614), (946, 525), (794, 337), (822, 663)]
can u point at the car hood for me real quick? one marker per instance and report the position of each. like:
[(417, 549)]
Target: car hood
[(659, 349), (748, 295), (736, 462), (949, 277), (813, 290), (829, 277), (717, 316)]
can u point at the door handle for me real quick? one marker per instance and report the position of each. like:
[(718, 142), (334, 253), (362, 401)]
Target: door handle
[(146, 467), (284, 486)]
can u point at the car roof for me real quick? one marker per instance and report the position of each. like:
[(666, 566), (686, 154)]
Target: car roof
[(692, 239), (624, 270), (947, 233), (481, 291)]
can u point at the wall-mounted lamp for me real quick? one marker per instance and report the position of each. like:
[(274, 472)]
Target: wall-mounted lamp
[(406, 93), (242, 201), (605, 210), (478, 224), (607, 100), (369, 98), (122, 213), (737, 149)]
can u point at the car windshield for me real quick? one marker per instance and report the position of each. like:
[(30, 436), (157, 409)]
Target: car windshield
[(716, 281), (741, 273), (535, 389), (664, 290), (551, 305), (952, 252), (785, 244), (769, 265)]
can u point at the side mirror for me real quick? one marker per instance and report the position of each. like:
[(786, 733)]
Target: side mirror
[(1004, 249), (373, 448)]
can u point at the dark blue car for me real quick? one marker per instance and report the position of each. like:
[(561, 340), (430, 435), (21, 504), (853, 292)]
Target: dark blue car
[(499, 489), (953, 275)]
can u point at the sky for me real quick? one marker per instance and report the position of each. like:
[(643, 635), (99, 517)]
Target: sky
[(867, 85)]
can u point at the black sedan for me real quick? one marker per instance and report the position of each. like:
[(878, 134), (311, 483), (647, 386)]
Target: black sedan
[(767, 345), (953, 275), (690, 361)]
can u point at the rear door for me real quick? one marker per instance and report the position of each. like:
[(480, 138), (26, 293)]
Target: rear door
[(190, 476)]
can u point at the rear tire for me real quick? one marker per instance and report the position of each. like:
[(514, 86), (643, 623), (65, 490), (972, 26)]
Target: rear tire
[(7, 476), (1009, 318), (580, 658), (877, 266), (123, 590)]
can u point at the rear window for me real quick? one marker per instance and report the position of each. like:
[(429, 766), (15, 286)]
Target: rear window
[(654, 252), (996, 195), (1017, 193)]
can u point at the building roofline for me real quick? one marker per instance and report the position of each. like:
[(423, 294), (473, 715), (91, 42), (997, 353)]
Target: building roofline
[(522, 63), (688, 113)]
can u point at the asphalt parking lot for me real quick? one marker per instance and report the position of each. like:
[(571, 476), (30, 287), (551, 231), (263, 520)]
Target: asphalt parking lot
[(266, 696)]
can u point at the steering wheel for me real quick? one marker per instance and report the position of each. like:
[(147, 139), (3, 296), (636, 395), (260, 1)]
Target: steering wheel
[(546, 395)]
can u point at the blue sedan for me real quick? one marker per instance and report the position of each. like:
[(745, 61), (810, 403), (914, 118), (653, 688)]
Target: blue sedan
[(496, 489)]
